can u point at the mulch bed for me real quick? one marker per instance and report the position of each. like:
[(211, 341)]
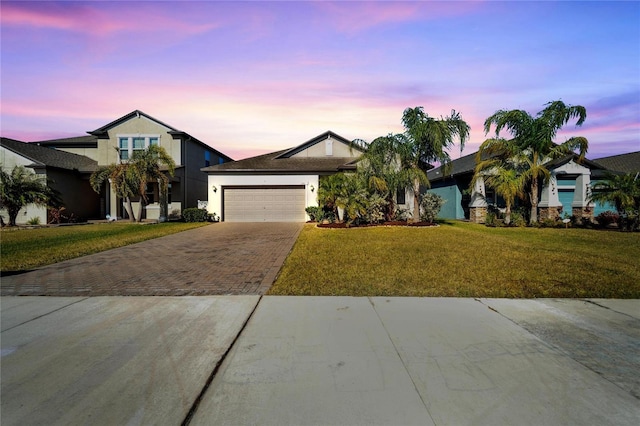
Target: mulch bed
[(369, 225)]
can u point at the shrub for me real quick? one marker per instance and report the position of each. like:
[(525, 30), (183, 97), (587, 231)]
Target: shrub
[(517, 219), (430, 206), (608, 218), (491, 219), (193, 214), (314, 212), (376, 207), (34, 221)]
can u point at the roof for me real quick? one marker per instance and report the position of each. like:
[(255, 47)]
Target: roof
[(48, 157), (91, 140), (467, 164), (459, 166), (625, 163), (284, 162), (102, 131), (275, 163), (322, 137), (87, 141)]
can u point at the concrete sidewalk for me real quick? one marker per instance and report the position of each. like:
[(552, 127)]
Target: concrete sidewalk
[(400, 361), (319, 360)]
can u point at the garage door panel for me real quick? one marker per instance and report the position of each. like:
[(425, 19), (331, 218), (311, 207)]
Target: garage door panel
[(264, 204)]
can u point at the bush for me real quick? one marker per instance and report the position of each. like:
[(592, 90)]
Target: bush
[(314, 213), (34, 221), (194, 215), (376, 208), (608, 218), (430, 206), (517, 219)]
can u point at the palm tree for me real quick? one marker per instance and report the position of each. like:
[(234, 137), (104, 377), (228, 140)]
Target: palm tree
[(22, 187), (424, 141), (147, 168), (623, 191), (123, 182), (329, 190), (505, 179), (532, 142), (129, 179)]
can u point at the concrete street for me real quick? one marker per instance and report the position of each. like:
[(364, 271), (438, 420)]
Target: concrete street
[(319, 360)]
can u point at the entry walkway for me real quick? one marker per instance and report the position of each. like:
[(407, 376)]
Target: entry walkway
[(219, 259)]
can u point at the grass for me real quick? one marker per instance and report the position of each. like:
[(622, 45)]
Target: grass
[(462, 260), (24, 249)]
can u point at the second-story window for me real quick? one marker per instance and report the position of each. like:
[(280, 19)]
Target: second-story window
[(128, 144)]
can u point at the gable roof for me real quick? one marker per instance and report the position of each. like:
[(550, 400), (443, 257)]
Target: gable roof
[(91, 140), (284, 162), (48, 157), (321, 137), (102, 131), (625, 163), (467, 164)]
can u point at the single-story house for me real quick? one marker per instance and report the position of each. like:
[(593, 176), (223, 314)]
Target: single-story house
[(66, 173), (567, 191), (116, 141), (277, 187)]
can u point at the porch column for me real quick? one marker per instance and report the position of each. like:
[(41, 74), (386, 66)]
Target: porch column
[(478, 204), (550, 206), (582, 207)]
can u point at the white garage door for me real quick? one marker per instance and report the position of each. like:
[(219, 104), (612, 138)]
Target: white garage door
[(273, 204)]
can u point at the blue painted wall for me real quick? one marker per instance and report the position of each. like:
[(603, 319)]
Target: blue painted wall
[(452, 209)]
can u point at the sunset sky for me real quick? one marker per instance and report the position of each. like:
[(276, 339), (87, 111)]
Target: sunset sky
[(253, 77)]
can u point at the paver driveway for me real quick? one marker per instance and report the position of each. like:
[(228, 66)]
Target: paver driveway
[(219, 259)]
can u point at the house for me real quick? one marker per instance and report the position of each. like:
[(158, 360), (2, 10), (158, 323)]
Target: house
[(567, 191), (66, 173), (277, 187), (116, 142)]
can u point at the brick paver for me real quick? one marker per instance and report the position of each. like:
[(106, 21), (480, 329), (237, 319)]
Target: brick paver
[(222, 258)]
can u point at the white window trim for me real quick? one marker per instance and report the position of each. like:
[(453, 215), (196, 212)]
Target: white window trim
[(130, 136)]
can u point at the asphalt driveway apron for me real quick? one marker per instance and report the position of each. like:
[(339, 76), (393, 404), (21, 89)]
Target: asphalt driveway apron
[(219, 259)]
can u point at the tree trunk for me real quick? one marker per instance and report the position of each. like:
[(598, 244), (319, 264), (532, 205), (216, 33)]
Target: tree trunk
[(416, 201), (140, 209), (13, 214), (129, 208), (507, 214), (534, 202)]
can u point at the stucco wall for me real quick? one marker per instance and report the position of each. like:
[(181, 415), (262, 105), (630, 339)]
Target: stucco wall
[(8, 160), (339, 149)]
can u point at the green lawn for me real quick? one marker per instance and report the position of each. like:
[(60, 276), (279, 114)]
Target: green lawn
[(22, 249), (463, 260)]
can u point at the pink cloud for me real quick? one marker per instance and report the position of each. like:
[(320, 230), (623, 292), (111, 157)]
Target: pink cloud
[(354, 17), (101, 21)]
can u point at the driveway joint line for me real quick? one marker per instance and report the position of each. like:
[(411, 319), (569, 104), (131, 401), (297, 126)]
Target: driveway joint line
[(196, 403), (406, 369), (44, 315)]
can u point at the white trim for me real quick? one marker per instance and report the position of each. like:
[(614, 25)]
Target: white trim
[(130, 136)]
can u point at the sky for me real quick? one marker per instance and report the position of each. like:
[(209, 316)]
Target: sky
[(253, 77)]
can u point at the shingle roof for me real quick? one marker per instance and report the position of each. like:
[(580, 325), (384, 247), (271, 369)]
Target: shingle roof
[(42, 156), (86, 141), (274, 163), (625, 163), (283, 162), (459, 166)]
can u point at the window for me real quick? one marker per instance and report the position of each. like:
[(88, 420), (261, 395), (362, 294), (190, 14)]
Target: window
[(150, 192), (124, 148), (169, 194), (128, 144), (401, 197), (207, 158)]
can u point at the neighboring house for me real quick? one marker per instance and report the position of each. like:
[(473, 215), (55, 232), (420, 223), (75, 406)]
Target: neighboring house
[(64, 172), (117, 141), (277, 187), (567, 191)]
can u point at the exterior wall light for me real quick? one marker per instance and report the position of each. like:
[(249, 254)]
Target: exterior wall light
[(312, 188), (215, 188)]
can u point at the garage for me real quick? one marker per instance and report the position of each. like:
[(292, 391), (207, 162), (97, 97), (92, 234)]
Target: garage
[(264, 204)]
